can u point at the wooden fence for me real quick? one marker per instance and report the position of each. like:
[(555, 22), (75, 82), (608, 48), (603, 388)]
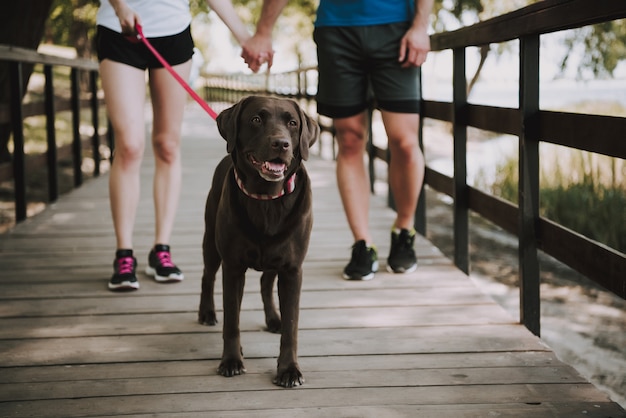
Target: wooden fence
[(16, 112)]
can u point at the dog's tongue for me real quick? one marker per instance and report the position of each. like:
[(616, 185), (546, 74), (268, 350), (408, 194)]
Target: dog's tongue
[(274, 167)]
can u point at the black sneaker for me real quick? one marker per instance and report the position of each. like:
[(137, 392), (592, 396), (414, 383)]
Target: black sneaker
[(402, 257), (363, 264), (161, 267), (124, 277)]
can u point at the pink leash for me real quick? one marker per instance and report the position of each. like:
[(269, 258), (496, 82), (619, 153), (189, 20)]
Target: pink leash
[(178, 78)]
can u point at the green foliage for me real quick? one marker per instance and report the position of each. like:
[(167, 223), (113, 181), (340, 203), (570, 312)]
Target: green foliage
[(67, 13), (587, 205), (603, 46), (594, 210), (505, 183)]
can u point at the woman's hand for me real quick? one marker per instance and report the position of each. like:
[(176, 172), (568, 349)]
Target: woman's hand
[(127, 16)]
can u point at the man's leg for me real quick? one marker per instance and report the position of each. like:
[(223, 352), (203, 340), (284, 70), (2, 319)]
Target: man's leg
[(354, 188), (406, 169), (406, 176), (352, 175)]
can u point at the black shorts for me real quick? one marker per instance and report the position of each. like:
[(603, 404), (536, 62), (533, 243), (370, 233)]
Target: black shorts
[(175, 49), (361, 62)]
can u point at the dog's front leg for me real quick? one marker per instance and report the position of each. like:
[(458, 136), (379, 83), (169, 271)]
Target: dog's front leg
[(289, 286), (212, 261), (233, 281)]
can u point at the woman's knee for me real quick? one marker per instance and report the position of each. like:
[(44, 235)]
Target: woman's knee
[(166, 148), (129, 152)]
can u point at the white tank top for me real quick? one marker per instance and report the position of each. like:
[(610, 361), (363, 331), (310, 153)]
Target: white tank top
[(158, 17)]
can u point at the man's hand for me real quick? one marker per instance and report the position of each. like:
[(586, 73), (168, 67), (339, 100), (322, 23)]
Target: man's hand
[(414, 47), (256, 51)]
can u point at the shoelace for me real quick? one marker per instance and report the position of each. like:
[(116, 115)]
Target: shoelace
[(407, 241), (165, 259), (361, 254), (125, 265)]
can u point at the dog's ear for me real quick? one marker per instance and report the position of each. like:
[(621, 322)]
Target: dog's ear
[(228, 123), (309, 132)]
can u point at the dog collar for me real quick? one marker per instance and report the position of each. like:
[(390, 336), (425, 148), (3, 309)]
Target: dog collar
[(290, 186)]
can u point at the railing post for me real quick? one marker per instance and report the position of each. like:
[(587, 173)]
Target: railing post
[(461, 204), (19, 172), (529, 183), (420, 212), (76, 145), (95, 141), (371, 154), (51, 152), (110, 139)]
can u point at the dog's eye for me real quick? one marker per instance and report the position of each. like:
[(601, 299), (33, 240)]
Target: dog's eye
[(293, 123), (256, 120)]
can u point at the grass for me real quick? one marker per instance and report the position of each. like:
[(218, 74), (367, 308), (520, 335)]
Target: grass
[(583, 192)]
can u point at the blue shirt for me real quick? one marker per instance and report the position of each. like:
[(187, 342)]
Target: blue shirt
[(363, 12)]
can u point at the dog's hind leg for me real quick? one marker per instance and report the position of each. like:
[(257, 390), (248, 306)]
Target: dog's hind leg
[(272, 317)]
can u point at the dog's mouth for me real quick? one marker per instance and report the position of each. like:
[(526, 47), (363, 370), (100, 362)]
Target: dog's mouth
[(272, 170)]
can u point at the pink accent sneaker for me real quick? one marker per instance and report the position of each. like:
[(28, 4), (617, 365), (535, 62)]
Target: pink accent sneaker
[(161, 267), (124, 266)]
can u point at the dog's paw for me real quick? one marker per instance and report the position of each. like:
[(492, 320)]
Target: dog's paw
[(273, 324), (231, 367), (207, 318), (291, 377)]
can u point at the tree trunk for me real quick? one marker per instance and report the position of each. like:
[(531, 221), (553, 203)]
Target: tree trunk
[(22, 24), (484, 52)]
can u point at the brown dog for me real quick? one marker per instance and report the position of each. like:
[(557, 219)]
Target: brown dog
[(258, 215)]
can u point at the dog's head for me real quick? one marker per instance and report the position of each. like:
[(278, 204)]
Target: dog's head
[(268, 134)]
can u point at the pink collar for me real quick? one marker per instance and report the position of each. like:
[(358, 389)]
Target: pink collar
[(290, 186)]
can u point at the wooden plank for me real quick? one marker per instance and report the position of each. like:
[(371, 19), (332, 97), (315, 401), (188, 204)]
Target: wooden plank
[(260, 365), (311, 317), (574, 130), (269, 398), (405, 377), (588, 409), (184, 346)]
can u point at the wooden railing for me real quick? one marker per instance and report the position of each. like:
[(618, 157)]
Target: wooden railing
[(16, 112), (598, 134)]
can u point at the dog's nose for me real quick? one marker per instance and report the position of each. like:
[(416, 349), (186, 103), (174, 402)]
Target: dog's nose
[(280, 144)]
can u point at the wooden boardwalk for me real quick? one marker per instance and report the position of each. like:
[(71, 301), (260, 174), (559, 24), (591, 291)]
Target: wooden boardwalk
[(426, 344)]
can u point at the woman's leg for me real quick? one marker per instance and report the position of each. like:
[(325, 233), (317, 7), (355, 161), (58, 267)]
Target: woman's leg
[(168, 103), (124, 89)]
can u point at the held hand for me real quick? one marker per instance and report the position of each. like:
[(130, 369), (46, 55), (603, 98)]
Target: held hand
[(414, 48), (256, 51)]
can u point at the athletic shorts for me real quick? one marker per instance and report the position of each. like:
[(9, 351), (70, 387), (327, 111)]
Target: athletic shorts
[(176, 49), (361, 62)]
